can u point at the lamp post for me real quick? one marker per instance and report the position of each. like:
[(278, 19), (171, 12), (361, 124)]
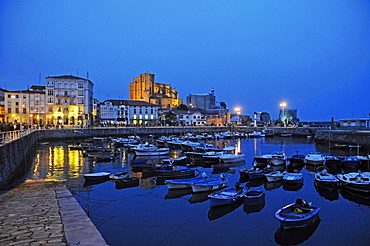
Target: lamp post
[(237, 111), (283, 105)]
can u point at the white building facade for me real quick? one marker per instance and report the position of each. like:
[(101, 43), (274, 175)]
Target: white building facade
[(191, 118), (69, 100), (127, 112)]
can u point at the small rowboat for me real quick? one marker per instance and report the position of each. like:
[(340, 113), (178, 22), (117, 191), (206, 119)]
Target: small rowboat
[(210, 185), (297, 215), (225, 197), (253, 197), (96, 176)]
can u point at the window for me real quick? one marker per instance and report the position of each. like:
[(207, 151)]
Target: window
[(80, 85), (80, 93), (50, 100), (24, 111), (9, 110)]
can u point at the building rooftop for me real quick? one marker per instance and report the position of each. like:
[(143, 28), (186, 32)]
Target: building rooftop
[(130, 103), (66, 77)]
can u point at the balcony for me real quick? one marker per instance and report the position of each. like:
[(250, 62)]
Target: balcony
[(66, 96)]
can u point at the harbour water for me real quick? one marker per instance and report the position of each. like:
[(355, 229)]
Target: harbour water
[(150, 214)]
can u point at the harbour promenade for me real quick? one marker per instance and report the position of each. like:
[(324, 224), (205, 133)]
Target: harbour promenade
[(44, 213)]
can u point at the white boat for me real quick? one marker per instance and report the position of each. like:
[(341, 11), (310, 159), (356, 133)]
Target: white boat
[(189, 145), (229, 158), (355, 181), (185, 183), (255, 134), (225, 197), (150, 150), (314, 158), (277, 159), (209, 185), (96, 176), (228, 155), (325, 177), (119, 176), (292, 178), (274, 176)]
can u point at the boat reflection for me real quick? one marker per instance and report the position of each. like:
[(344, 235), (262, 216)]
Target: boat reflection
[(255, 182), (218, 212), (199, 197), (273, 185), (296, 236), (177, 193), (254, 208), (127, 183), (357, 197), (328, 191), (293, 186), (94, 182)]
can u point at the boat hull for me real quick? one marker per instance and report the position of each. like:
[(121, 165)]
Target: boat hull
[(254, 197), (290, 220), (208, 186)]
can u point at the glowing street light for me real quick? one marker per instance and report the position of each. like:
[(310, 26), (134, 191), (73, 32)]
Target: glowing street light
[(283, 105)]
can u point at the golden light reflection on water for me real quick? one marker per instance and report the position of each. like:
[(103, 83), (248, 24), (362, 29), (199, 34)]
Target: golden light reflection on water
[(57, 163), (75, 163)]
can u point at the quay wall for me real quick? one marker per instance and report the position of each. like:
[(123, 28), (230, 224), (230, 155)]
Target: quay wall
[(16, 157), (344, 137), (124, 131)]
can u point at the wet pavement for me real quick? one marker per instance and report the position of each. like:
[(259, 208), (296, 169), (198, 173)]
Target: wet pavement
[(44, 213)]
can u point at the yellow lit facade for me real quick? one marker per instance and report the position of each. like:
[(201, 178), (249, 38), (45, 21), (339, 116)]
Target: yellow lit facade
[(69, 101), (145, 89), (25, 106)]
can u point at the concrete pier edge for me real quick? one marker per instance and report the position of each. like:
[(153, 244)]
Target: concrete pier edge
[(78, 228), (42, 212)]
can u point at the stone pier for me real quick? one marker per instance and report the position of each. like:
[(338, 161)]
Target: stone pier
[(44, 213)]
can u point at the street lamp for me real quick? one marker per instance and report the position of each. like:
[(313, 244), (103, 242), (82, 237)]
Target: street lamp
[(237, 111), (283, 105)]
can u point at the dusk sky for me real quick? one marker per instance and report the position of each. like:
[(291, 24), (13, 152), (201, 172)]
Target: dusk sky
[(314, 54)]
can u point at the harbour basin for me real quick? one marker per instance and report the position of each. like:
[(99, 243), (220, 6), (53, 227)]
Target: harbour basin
[(149, 214)]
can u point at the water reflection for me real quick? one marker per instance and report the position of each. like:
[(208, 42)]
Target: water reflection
[(296, 236), (218, 212)]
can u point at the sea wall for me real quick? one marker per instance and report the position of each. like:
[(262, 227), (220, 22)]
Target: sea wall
[(16, 157), (344, 137)]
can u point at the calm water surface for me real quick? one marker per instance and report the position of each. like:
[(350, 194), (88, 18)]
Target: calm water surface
[(151, 215)]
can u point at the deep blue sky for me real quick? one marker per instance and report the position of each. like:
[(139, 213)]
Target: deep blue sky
[(313, 54)]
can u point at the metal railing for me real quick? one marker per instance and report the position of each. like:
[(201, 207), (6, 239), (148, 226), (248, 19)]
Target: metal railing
[(6, 137)]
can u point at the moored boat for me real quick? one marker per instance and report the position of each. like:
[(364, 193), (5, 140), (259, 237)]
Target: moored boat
[(225, 196), (325, 177), (314, 158), (297, 215), (350, 164), (293, 178), (96, 176), (274, 176), (278, 159), (252, 197), (355, 181), (185, 183), (150, 150), (209, 185)]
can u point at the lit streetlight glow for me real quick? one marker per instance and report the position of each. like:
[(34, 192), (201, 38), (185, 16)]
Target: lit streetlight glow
[(283, 118)]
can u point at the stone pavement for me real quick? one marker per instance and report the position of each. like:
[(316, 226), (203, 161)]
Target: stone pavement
[(44, 213)]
